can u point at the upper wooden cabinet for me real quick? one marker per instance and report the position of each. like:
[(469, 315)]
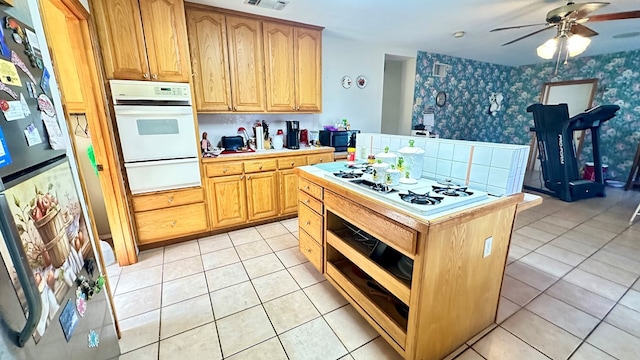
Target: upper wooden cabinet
[(308, 60), (293, 67), (246, 63), (253, 64), (279, 66), (143, 39), (209, 59)]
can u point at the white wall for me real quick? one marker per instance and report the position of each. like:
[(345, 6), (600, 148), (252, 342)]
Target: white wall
[(85, 3), (391, 96), (407, 96), (362, 107)]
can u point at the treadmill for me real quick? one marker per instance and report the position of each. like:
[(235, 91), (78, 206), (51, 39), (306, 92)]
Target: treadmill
[(554, 131)]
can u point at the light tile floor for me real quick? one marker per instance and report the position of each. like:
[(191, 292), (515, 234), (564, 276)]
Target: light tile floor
[(571, 291)]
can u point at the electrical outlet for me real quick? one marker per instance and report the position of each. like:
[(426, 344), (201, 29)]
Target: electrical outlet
[(488, 242)]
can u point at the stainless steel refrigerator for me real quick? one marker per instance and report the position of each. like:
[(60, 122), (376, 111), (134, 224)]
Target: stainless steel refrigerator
[(45, 241)]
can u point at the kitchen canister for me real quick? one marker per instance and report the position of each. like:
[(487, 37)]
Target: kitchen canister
[(379, 169), (392, 176), (278, 140), (387, 157), (413, 160)]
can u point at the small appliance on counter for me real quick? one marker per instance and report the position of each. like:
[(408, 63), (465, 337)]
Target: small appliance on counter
[(340, 140), (304, 137), (278, 140), (293, 134)]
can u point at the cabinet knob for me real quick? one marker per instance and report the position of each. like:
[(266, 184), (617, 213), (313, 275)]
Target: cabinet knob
[(229, 107), (146, 76), (154, 76), (309, 251), (261, 167), (307, 201), (170, 200), (235, 108), (321, 160), (306, 187), (308, 222), (241, 177), (249, 177), (292, 163), (224, 170), (173, 224), (194, 74)]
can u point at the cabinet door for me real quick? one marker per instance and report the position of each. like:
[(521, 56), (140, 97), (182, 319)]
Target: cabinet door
[(279, 72), (288, 192), (209, 60), (261, 192), (121, 39), (227, 200), (308, 60), (165, 32), (246, 63)]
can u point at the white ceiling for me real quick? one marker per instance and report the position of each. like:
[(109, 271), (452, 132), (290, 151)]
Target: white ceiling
[(429, 25)]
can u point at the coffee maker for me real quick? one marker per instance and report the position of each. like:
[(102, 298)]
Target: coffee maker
[(293, 134)]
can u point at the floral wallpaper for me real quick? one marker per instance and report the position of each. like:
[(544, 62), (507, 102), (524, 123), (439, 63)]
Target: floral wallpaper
[(470, 83)]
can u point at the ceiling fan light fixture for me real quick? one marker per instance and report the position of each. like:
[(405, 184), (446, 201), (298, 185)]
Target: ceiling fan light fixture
[(577, 44), (548, 49)]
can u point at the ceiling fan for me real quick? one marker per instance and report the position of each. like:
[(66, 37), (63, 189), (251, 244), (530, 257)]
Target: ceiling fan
[(571, 35)]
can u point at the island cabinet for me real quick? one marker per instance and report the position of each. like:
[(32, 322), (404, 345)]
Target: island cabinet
[(434, 287), (246, 189), (167, 215), (143, 39)]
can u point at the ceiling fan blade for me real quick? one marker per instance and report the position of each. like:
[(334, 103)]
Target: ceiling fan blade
[(516, 27), (583, 30), (530, 34), (575, 11), (616, 16)]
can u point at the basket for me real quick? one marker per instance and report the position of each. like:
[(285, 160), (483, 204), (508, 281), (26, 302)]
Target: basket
[(58, 249), (50, 225)]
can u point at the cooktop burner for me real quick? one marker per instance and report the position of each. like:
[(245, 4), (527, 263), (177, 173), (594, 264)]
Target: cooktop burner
[(422, 199), (381, 188), (449, 183), (348, 174), (449, 191)]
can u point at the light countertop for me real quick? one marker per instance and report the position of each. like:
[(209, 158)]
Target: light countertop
[(306, 150)]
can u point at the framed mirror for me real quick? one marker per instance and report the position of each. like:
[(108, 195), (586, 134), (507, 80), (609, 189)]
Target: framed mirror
[(578, 95)]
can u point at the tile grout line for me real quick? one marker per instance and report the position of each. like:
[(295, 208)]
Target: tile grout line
[(213, 313)]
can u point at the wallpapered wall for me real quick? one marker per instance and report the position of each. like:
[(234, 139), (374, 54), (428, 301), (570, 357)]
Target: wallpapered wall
[(469, 84)]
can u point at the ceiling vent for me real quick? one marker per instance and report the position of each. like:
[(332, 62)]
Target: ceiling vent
[(268, 4), (440, 69)]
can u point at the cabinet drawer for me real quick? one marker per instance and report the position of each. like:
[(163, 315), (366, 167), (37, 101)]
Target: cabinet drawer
[(320, 158), (386, 230), (310, 188), (311, 202), (222, 169), (291, 162), (310, 222), (165, 224), (259, 165), (167, 199), (311, 250)]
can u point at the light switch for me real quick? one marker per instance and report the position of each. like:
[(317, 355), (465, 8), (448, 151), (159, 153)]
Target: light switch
[(488, 242)]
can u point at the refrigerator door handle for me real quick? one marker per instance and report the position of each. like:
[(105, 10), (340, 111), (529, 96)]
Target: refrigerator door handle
[(19, 259)]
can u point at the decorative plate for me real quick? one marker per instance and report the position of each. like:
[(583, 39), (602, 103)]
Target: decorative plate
[(361, 81), (346, 82), (441, 98)]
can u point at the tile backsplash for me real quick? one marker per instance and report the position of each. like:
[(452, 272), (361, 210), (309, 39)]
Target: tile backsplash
[(495, 168), (219, 125)]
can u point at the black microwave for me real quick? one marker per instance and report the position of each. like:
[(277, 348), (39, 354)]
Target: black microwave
[(340, 140)]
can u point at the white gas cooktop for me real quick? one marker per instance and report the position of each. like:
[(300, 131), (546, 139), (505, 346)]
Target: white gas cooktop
[(444, 200)]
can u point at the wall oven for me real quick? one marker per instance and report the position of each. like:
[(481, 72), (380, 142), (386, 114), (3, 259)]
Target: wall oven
[(157, 134)]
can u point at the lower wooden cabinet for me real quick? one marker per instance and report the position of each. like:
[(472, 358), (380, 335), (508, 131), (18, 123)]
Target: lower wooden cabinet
[(262, 197), (288, 192), (320, 158), (171, 223), (227, 199)]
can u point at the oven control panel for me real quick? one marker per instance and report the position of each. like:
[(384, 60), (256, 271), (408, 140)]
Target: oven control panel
[(173, 90)]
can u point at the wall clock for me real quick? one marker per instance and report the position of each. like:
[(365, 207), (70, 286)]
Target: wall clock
[(346, 82), (441, 98)]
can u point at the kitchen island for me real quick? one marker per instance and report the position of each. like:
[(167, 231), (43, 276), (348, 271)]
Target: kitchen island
[(458, 257)]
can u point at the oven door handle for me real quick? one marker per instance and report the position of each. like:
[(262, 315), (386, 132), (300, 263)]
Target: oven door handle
[(146, 110), (19, 259)]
